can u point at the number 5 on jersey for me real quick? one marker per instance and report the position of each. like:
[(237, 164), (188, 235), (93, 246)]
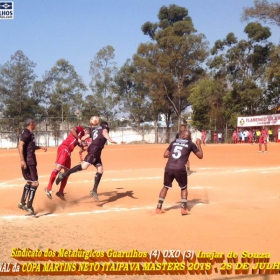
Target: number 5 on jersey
[(177, 152)]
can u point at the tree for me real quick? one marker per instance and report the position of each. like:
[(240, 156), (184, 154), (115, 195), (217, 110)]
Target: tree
[(263, 11), (241, 65), (64, 88), (208, 104), (103, 70), (177, 55), (16, 82), (272, 93), (132, 93)]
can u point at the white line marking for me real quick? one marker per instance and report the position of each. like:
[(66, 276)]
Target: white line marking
[(121, 209), (200, 187), (262, 170)]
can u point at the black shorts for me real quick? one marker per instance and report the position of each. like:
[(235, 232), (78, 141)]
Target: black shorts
[(94, 159), (30, 173), (180, 177)]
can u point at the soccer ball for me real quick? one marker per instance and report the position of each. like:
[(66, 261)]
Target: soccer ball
[(94, 120)]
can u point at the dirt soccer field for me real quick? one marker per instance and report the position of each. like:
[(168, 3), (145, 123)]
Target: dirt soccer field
[(234, 200)]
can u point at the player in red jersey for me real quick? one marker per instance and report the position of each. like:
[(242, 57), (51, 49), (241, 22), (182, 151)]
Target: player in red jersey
[(99, 136), (234, 137), (178, 153), (86, 143), (263, 140), (215, 138), (204, 137), (63, 159)]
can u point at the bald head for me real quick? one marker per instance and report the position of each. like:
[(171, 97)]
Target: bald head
[(186, 134)]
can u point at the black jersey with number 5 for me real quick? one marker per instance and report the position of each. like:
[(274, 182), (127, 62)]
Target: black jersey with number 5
[(180, 150)]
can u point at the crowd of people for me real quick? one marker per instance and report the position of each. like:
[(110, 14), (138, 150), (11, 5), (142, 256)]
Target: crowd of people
[(252, 135), (247, 135)]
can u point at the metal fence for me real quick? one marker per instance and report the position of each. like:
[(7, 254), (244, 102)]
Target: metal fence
[(52, 131)]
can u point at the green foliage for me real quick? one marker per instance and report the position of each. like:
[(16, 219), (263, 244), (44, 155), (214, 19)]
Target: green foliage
[(132, 92), (242, 65), (257, 32), (263, 11), (64, 90), (16, 81), (103, 70), (207, 104), (173, 63)]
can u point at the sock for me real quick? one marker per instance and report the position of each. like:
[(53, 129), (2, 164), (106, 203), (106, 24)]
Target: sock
[(184, 203), (52, 178), (31, 196), (160, 202), (97, 179), (25, 193), (63, 184), (80, 154), (72, 170)]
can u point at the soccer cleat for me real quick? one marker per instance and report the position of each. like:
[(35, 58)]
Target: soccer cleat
[(59, 178), (184, 211), (259, 151), (94, 195), (48, 193), (29, 209), (21, 206), (61, 196)]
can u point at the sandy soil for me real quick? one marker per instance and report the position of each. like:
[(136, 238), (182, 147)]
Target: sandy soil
[(234, 200)]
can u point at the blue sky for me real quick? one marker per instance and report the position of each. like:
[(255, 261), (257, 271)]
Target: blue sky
[(48, 30)]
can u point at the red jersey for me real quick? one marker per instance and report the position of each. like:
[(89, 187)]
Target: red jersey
[(71, 142), (264, 133), (87, 142)]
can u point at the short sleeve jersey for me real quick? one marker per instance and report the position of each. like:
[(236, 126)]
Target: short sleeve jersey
[(71, 142), (29, 147), (264, 134), (180, 150), (98, 140)]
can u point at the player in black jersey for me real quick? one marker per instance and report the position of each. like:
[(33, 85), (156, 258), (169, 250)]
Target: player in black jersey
[(99, 135), (28, 162), (178, 153), (182, 129)]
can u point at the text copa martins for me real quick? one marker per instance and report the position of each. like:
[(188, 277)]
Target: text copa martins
[(78, 253)]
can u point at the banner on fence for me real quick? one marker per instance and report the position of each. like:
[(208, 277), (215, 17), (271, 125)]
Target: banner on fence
[(252, 121)]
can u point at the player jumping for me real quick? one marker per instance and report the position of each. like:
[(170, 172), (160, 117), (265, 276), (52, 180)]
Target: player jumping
[(99, 137), (63, 159)]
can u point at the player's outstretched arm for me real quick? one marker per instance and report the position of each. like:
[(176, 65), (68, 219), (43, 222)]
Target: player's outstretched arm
[(41, 148), (166, 154), (199, 154), (74, 132), (106, 135)]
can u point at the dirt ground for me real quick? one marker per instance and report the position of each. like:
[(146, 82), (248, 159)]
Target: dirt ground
[(234, 200)]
